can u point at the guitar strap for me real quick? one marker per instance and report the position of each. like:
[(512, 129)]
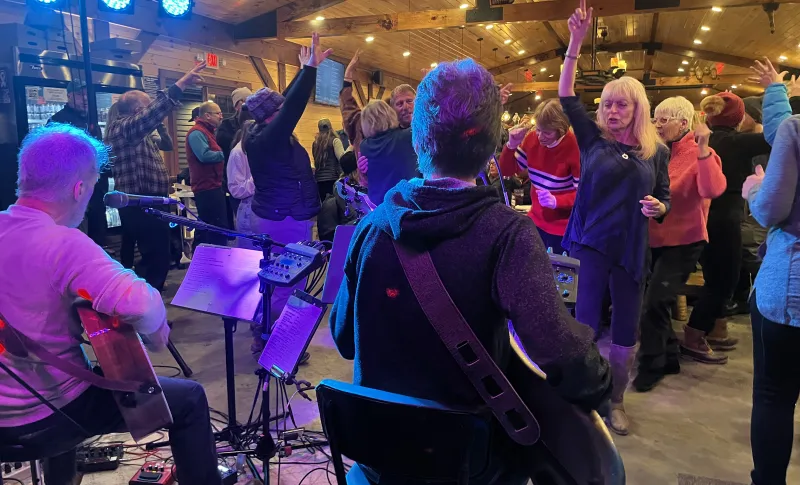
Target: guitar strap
[(466, 349), (19, 345)]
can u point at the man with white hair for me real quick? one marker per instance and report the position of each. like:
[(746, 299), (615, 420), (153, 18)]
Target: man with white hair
[(45, 264), (139, 169)]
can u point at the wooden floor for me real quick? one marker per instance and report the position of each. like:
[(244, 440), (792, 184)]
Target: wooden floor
[(691, 430)]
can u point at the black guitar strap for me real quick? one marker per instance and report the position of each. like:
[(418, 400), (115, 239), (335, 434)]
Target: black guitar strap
[(466, 349)]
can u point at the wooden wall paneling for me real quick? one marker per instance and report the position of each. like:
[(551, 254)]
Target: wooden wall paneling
[(263, 72), (359, 91)]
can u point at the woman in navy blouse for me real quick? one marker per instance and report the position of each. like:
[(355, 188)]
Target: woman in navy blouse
[(624, 182)]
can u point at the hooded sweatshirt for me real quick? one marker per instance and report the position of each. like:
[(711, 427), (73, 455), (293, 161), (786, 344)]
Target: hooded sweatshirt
[(391, 159), (495, 268)]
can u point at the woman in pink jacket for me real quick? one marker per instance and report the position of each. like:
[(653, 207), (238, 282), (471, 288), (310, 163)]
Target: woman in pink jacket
[(695, 174)]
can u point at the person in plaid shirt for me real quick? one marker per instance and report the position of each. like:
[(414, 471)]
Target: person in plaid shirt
[(139, 169)]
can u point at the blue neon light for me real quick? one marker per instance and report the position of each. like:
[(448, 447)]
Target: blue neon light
[(176, 8), (117, 4)]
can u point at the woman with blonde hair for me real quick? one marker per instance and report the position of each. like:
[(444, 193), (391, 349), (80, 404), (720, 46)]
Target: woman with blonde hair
[(624, 184), (387, 147), (553, 161), (695, 174)]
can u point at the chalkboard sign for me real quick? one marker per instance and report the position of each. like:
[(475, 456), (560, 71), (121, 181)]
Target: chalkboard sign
[(151, 85), (330, 75)]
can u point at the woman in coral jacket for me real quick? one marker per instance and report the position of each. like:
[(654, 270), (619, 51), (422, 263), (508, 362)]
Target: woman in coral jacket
[(695, 174), (553, 161)]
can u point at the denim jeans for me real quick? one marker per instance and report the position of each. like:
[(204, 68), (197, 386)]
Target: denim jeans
[(776, 386), (190, 435)]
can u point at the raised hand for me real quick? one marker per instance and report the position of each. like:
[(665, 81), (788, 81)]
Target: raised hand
[(752, 181), (517, 133), (505, 92), (317, 54), (350, 71), (765, 74), (580, 21), (304, 56), (546, 199), (793, 86), (701, 135), (652, 207), (192, 77)]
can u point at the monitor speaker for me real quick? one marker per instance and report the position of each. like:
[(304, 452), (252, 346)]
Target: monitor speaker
[(377, 78)]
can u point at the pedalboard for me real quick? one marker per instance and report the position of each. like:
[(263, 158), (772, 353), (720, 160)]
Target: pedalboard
[(292, 265), (99, 458), (153, 472)]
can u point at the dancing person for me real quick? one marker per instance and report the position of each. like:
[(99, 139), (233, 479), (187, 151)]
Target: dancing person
[(334, 211), (240, 180), (230, 126), (553, 161), (387, 148), (377, 320), (327, 150), (695, 174), (721, 260), (138, 168), (624, 185), (47, 265), (286, 198)]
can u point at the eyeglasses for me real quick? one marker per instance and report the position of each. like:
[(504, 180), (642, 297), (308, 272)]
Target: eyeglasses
[(663, 120)]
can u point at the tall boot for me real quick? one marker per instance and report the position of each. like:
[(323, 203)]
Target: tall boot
[(694, 345), (621, 360), (718, 338)]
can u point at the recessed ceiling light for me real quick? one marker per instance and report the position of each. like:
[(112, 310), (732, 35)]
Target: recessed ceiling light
[(481, 25), (704, 91), (320, 18), (507, 41), (521, 52), (370, 38), (698, 41), (705, 28), (406, 54), (490, 27), (782, 58), (434, 64), (685, 63), (716, 9), (544, 69), (463, 6), (733, 86), (680, 69), (538, 97), (551, 75)]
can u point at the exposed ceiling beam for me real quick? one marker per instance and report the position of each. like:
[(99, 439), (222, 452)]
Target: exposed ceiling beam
[(266, 25), (661, 82), (650, 55), (554, 34), (302, 8), (536, 11), (557, 53)]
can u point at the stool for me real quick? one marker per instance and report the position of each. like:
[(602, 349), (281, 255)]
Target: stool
[(20, 452)]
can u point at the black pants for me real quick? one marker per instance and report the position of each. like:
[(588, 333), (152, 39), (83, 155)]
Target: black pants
[(552, 241), (721, 261), (596, 276), (325, 187), (191, 438), (671, 267), (96, 213), (152, 236), (212, 208), (776, 386)]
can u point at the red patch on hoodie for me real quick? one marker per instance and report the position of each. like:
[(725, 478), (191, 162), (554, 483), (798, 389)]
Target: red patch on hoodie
[(392, 293)]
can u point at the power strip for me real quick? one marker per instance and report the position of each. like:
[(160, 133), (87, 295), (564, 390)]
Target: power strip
[(22, 473)]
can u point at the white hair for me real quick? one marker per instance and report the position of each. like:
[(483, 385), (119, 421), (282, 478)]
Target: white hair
[(677, 107), (54, 158)]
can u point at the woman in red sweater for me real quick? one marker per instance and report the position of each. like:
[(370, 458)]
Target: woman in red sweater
[(553, 160), (695, 174)]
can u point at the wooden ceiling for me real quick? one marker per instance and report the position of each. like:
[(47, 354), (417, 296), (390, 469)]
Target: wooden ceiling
[(737, 31)]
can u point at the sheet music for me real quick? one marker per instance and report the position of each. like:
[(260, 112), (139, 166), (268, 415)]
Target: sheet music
[(291, 335), (222, 281)]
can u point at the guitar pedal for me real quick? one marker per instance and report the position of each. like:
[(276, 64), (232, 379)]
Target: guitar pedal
[(292, 265), (565, 273), (153, 473)]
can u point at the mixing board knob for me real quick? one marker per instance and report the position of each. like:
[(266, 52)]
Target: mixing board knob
[(565, 293)]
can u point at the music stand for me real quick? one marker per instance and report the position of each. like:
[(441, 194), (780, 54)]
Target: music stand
[(336, 261)]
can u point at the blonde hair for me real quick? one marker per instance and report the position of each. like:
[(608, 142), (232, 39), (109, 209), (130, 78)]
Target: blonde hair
[(401, 89), (378, 117), (550, 116), (678, 107), (643, 130)]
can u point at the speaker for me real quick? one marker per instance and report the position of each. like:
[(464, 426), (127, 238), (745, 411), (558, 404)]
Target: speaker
[(377, 78)]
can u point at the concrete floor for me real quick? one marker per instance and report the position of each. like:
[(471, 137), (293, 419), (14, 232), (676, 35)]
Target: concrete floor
[(694, 425)]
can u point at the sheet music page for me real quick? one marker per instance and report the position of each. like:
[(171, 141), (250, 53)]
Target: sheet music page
[(222, 281), (291, 335)]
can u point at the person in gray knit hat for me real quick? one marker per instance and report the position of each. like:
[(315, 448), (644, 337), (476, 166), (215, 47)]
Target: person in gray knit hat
[(286, 198)]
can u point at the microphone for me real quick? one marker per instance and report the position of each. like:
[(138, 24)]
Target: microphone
[(118, 200)]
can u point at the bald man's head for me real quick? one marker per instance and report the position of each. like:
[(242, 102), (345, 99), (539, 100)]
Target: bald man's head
[(132, 102)]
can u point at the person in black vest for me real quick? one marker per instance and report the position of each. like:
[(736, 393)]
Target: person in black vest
[(206, 166), (75, 113), (327, 150)]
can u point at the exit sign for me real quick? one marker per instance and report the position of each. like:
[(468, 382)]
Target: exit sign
[(212, 60)]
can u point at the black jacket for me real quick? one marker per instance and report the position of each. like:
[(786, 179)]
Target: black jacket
[(225, 134), (391, 159), (737, 151), (494, 267), (281, 168)]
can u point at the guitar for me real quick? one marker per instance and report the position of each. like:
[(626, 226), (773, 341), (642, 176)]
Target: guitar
[(355, 197), (579, 442)]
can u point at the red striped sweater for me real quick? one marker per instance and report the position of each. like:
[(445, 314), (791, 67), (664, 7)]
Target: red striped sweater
[(556, 169)]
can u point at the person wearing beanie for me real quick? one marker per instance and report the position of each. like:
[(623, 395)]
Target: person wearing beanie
[(722, 257), (229, 126), (327, 150), (286, 198)]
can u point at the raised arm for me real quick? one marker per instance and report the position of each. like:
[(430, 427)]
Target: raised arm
[(579, 24), (513, 159), (165, 141), (776, 96), (711, 182), (351, 113)]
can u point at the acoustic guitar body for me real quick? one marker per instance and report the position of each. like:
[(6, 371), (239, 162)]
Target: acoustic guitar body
[(122, 357), (579, 441)]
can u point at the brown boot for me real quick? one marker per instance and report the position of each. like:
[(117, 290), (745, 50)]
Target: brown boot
[(694, 345), (621, 360), (718, 339)]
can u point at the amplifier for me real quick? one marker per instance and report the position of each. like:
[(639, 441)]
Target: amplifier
[(292, 265)]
